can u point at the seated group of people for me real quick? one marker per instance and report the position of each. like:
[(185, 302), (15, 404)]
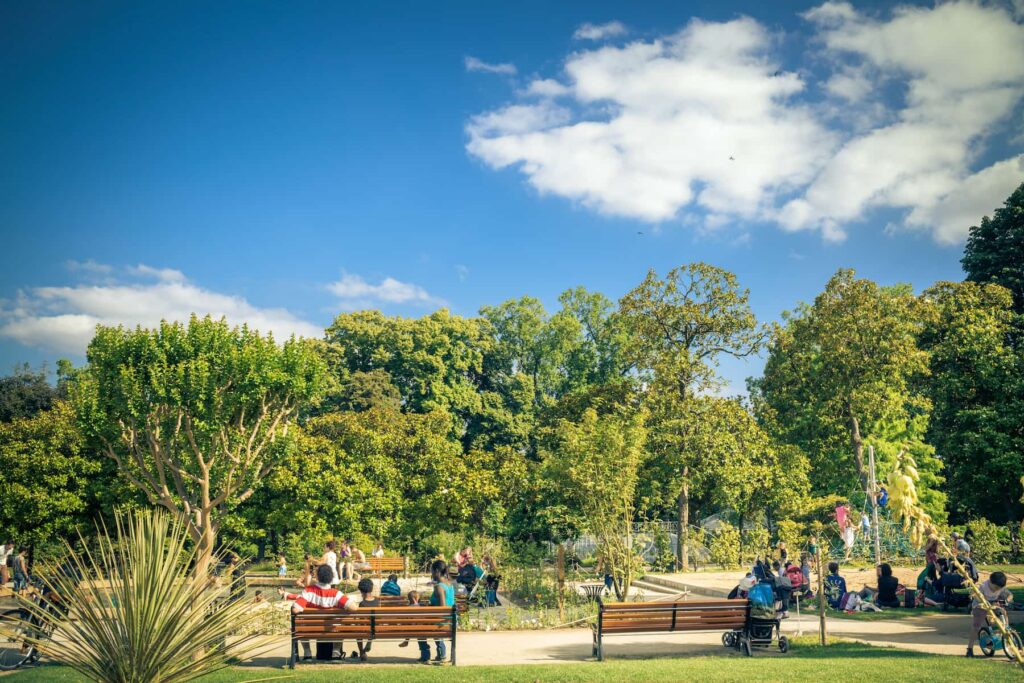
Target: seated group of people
[(321, 594), (787, 580)]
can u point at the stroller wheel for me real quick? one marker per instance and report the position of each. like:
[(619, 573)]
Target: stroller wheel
[(783, 644), (729, 639)]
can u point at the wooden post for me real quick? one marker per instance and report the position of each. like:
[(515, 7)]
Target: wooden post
[(821, 597), (874, 504)]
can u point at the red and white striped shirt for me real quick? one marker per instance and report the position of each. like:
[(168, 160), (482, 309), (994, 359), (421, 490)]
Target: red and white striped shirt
[(317, 596)]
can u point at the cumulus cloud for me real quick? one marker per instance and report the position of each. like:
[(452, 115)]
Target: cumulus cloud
[(475, 64), (962, 67), (590, 31), (709, 120), (64, 319), (705, 115), (354, 292)]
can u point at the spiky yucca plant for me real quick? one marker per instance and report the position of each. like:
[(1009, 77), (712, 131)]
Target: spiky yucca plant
[(137, 616)]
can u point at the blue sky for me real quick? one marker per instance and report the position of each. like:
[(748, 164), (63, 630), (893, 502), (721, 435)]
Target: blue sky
[(282, 162)]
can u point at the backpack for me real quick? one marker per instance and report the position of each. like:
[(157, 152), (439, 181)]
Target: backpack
[(910, 598), (762, 596)]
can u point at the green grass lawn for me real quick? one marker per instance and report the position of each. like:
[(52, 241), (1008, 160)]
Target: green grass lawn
[(846, 662), (891, 614)]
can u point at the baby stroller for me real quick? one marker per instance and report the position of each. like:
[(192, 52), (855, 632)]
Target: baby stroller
[(763, 626), (471, 577)]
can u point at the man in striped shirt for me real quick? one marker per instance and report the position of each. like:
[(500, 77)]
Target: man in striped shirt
[(319, 595)]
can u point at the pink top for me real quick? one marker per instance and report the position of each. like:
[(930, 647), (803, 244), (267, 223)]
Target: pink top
[(841, 516)]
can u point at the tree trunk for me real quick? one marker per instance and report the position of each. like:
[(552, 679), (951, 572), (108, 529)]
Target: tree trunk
[(684, 523), (204, 549), (858, 448), (739, 551)]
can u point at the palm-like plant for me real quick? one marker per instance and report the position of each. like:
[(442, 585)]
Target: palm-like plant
[(134, 613)]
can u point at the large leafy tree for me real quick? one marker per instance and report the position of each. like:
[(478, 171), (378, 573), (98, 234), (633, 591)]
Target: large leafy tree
[(195, 416), (679, 327), (995, 249), (977, 390), (46, 473), (26, 392), (593, 467), (839, 368)]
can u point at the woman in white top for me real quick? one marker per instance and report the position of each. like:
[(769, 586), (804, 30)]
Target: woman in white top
[(330, 558), (379, 550)]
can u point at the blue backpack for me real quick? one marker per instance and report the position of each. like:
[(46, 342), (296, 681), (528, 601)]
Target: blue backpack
[(762, 596)]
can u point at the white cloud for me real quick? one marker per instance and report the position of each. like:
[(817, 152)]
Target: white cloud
[(660, 121), (709, 119), (962, 66), (355, 292), (547, 87), (88, 266), (475, 64), (64, 319), (590, 31), (978, 195), (462, 272)]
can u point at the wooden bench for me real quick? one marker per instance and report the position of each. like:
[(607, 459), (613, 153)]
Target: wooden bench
[(627, 618), (382, 566), (374, 623)]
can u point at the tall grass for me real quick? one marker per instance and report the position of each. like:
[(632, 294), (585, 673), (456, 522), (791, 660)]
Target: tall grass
[(136, 615)]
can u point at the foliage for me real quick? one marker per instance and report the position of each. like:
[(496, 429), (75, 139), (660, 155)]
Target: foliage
[(664, 559), (836, 370), (195, 417), (994, 248), (987, 546), (167, 627), (724, 545), (977, 390), (27, 392), (754, 543), (793, 534), (594, 466), (46, 477)]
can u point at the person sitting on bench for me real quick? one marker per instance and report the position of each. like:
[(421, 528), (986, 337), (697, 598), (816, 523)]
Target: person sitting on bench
[(319, 595)]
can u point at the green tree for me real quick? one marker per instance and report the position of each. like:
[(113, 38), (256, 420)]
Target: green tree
[(45, 476), (994, 249), (977, 392), (195, 416), (26, 392), (839, 368), (679, 327), (593, 465)]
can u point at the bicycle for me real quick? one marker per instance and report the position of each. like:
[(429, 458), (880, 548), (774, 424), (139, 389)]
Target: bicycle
[(991, 638), (21, 629)]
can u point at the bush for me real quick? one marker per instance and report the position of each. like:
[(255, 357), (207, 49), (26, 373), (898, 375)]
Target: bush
[(664, 558), (753, 543), (443, 543), (987, 543), (724, 545), (793, 534)]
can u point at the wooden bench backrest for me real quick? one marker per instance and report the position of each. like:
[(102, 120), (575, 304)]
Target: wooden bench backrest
[(374, 622), (380, 565), (400, 600), (692, 615)]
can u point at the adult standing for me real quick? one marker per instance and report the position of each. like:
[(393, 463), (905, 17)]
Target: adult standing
[(846, 529), (20, 566), (443, 596), (330, 558)]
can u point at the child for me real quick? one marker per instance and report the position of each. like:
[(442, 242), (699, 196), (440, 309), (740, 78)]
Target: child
[(414, 601), (368, 600), (783, 553), (995, 591), (282, 566), (258, 598), (835, 586), (391, 586)]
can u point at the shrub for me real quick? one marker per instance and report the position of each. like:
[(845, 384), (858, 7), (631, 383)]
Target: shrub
[(724, 545), (156, 623), (791, 533), (443, 543), (987, 543), (664, 558), (753, 543)]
